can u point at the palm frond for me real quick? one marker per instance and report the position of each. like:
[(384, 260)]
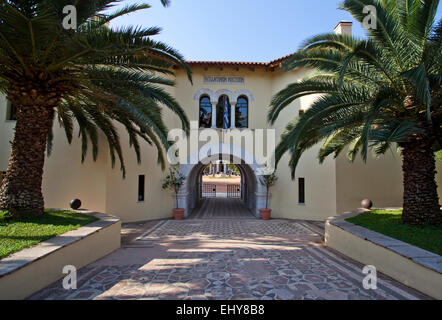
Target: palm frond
[(105, 75), (372, 93)]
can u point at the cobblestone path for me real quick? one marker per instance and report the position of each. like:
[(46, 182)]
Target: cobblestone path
[(227, 259)]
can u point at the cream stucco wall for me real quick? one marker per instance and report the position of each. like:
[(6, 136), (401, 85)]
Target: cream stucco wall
[(332, 187), (320, 180), (258, 82), (121, 194), (6, 134), (379, 179), (263, 84)]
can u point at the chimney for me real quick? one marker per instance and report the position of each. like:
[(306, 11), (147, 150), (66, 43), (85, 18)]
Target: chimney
[(344, 27)]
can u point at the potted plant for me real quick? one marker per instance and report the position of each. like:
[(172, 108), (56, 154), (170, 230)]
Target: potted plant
[(174, 181), (268, 181)]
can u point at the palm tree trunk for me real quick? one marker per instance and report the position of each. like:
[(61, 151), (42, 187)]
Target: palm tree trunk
[(421, 200), (20, 190)]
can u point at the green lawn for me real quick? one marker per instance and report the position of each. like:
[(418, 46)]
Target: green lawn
[(28, 230), (390, 224)]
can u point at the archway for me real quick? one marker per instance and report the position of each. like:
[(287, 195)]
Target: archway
[(228, 200), (221, 179), (252, 192)]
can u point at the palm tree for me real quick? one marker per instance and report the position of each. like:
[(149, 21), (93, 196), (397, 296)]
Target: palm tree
[(374, 93), (93, 75)]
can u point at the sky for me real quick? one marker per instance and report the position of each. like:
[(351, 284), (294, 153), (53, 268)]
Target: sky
[(240, 30)]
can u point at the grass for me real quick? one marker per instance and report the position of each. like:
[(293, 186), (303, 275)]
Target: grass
[(390, 224), (19, 233)]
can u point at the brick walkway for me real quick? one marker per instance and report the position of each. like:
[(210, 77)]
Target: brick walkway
[(226, 259), (221, 208)]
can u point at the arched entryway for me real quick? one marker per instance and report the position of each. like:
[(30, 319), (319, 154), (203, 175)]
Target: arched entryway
[(216, 196), (252, 193), (222, 179)]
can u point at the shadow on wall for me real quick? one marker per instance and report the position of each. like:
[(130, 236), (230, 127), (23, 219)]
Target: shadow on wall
[(378, 179)]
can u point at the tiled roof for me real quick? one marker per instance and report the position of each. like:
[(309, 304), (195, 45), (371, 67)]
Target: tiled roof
[(278, 61), (242, 63), (273, 63)]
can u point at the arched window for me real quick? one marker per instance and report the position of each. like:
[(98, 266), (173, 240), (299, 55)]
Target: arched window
[(242, 113), (205, 112), (223, 117)]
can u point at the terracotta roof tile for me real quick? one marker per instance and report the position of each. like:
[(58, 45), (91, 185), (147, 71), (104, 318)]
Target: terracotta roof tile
[(278, 61), (229, 63), (272, 63)]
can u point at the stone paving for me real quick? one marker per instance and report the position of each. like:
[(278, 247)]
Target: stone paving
[(227, 259), (221, 208)]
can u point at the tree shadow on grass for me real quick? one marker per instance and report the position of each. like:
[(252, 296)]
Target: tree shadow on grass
[(56, 218), (30, 238), (390, 224)]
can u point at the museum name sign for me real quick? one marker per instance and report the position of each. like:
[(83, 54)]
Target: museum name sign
[(223, 80)]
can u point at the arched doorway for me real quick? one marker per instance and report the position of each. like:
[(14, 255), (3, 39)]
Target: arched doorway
[(221, 179), (222, 190), (252, 193)]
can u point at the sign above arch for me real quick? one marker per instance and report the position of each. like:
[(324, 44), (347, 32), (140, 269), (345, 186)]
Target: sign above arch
[(224, 80)]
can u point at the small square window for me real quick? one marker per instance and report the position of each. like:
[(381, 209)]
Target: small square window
[(141, 187), (301, 190), (11, 112)]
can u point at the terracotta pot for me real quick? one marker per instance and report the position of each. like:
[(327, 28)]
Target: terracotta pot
[(178, 214), (265, 213)]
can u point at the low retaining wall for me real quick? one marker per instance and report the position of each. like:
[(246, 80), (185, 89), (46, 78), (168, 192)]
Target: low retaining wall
[(32, 269), (403, 262)]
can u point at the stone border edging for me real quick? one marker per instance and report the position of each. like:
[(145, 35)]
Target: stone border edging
[(25, 272), (406, 263)]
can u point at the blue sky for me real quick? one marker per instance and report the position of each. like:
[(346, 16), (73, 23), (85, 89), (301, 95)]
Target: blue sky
[(240, 30)]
